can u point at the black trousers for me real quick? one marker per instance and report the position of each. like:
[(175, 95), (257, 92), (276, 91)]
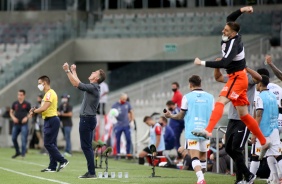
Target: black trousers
[(236, 136)]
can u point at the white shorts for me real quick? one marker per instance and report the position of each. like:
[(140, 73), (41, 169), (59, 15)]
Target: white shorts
[(275, 148), (197, 144)]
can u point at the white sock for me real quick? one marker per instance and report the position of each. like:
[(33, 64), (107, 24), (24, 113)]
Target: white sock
[(272, 164), (203, 165), (200, 176), (254, 167), (279, 168)]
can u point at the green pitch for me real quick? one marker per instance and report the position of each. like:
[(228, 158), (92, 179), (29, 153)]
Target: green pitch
[(27, 171)]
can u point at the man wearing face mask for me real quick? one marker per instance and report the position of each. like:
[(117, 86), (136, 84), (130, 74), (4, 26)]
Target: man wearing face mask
[(235, 90), (176, 125), (65, 114), (123, 122), (177, 95), (48, 109)]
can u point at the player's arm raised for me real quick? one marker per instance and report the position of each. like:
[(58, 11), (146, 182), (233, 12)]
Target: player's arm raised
[(255, 75), (71, 75), (275, 70)]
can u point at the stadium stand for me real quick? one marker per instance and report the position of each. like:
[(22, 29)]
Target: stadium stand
[(23, 44), (117, 24)]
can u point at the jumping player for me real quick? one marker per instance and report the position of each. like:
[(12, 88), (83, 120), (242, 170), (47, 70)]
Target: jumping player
[(235, 90), (237, 132)]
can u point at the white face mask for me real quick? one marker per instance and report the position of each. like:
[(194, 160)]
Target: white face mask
[(223, 141), (225, 38), (40, 87), (64, 100)]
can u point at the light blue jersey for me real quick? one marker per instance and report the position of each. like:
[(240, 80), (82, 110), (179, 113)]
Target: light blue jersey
[(198, 105), (153, 137), (266, 101)]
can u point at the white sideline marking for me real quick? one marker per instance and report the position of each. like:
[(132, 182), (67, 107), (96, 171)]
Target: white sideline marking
[(31, 163), (37, 177)]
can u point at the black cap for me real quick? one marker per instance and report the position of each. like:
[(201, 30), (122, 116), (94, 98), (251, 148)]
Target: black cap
[(65, 96)]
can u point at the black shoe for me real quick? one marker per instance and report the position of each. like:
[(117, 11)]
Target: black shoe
[(88, 176), (250, 179), (16, 155), (48, 170), (62, 165)]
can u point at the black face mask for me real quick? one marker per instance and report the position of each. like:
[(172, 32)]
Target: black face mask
[(173, 89), (170, 109)]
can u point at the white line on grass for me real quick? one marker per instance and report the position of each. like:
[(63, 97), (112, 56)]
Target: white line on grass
[(37, 177), (31, 163)]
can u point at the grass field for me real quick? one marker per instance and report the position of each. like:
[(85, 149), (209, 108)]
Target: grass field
[(27, 171)]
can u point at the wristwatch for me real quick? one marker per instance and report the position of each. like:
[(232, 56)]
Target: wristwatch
[(67, 71)]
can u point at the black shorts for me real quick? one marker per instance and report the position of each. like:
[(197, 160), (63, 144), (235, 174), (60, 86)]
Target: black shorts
[(147, 149)]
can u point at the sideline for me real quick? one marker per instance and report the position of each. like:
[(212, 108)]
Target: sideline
[(37, 177), (27, 162)]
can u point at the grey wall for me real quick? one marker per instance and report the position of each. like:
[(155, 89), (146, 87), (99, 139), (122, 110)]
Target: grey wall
[(84, 69), (136, 49)]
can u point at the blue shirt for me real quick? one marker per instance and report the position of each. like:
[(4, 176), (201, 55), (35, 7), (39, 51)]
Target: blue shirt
[(123, 110), (198, 105), (266, 101), (169, 138)]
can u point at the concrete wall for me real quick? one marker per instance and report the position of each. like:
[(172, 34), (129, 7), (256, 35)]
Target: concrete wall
[(84, 69), (136, 49)]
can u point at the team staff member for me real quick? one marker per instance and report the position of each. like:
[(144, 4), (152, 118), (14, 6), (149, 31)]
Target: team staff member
[(176, 125), (235, 90), (237, 132), (48, 109), (195, 118), (65, 114), (19, 115), (177, 95), (88, 111), (124, 118)]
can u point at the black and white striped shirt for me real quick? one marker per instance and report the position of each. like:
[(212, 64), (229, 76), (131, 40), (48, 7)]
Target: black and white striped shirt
[(233, 54)]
